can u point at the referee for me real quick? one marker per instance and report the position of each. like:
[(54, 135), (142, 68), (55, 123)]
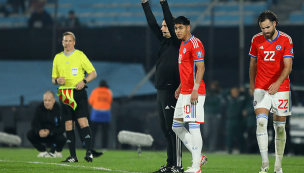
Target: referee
[(166, 82), (69, 69)]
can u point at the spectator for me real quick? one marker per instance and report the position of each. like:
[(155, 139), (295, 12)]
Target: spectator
[(234, 129), (47, 127), (101, 100), (72, 21), (212, 115), (250, 121), (40, 18)]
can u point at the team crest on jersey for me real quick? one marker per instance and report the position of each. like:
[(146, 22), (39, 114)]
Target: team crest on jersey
[(255, 103), (291, 50), (199, 54), (74, 71), (184, 51), (278, 47)]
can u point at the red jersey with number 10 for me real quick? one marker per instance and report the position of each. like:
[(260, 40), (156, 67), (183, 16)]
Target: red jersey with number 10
[(270, 59), (190, 51)]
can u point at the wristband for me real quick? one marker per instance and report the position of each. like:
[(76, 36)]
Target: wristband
[(85, 81), (196, 86), (56, 81)]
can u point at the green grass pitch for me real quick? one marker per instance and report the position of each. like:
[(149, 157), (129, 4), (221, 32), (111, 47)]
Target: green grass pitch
[(17, 160)]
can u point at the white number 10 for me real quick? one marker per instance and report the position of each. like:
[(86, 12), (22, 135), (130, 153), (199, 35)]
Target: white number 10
[(267, 54)]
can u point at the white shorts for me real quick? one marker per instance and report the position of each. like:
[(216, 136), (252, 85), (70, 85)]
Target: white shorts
[(278, 103), (189, 112)]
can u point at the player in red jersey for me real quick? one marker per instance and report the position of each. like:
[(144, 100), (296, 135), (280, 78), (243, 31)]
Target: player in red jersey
[(271, 62), (191, 93)]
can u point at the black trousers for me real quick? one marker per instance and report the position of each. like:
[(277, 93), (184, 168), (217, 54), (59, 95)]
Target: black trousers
[(105, 127), (57, 142), (165, 106)]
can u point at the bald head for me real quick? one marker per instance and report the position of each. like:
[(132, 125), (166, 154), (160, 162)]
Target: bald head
[(49, 100)]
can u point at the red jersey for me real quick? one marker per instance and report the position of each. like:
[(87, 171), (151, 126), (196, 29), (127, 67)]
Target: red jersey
[(190, 52), (270, 62)]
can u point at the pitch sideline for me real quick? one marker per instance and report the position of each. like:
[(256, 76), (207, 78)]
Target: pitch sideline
[(61, 164)]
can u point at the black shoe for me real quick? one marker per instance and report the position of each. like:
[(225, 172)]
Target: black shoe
[(88, 157), (96, 154), (71, 159), (163, 169), (177, 169)]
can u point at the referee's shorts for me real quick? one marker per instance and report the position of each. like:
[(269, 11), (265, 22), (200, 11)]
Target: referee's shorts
[(82, 109)]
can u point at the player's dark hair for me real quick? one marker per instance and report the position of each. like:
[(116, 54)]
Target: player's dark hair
[(268, 15), (69, 33), (182, 20), (103, 83)]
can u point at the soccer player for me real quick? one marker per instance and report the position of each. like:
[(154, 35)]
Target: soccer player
[(271, 62), (191, 93), (166, 81), (69, 69)]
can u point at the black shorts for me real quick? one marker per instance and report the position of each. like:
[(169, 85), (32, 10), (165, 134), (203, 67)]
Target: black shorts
[(82, 109)]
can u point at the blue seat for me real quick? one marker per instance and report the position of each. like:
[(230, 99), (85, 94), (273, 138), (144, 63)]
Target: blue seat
[(296, 17)]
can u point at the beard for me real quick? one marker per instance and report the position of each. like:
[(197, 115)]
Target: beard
[(270, 34)]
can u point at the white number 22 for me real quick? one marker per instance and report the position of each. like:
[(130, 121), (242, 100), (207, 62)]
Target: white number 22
[(266, 58)]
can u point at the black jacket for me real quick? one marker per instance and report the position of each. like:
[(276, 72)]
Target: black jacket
[(167, 74), (48, 119)]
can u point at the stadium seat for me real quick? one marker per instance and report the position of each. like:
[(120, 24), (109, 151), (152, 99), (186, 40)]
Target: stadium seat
[(296, 17)]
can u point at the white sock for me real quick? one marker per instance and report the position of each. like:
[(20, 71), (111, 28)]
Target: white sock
[(280, 141), (182, 133), (262, 136), (197, 143)]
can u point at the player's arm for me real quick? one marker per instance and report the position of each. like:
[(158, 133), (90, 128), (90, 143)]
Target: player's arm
[(273, 88), (88, 79), (178, 91), (169, 21), (252, 72), (198, 79), (151, 20)]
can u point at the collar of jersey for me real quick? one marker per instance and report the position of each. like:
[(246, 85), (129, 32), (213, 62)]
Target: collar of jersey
[(187, 40), (69, 54), (275, 38)]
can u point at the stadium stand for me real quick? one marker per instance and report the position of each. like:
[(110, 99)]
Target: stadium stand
[(117, 12)]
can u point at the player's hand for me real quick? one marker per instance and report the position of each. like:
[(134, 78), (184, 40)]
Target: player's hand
[(61, 80), (80, 85), (194, 97), (177, 92), (144, 1), (273, 88), (47, 132), (42, 133)]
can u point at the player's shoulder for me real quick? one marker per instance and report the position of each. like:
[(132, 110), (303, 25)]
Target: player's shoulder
[(285, 36), (195, 42), (258, 36)]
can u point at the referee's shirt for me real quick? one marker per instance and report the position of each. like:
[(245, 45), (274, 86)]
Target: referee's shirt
[(167, 74), (72, 67)]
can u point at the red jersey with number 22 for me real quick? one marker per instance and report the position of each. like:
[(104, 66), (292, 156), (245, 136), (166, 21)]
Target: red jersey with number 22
[(190, 51), (270, 59)]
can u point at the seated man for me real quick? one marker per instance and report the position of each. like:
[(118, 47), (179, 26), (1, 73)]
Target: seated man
[(47, 127)]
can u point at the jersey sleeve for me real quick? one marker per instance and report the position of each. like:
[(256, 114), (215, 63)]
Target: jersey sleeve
[(55, 72), (253, 50), (288, 51), (198, 51), (87, 65)]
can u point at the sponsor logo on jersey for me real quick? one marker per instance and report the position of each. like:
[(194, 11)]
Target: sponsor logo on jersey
[(285, 111), (74, 71), (199, 54), (187, 116), (278, 47), (180, 58), (291, 50), (261, 47), (184, 51)]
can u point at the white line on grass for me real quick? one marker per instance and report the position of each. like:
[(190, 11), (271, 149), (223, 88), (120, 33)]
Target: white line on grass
[(61, 164)]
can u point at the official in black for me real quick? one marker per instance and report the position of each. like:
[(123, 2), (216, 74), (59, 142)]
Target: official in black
[(166, 82), (47, 128)]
